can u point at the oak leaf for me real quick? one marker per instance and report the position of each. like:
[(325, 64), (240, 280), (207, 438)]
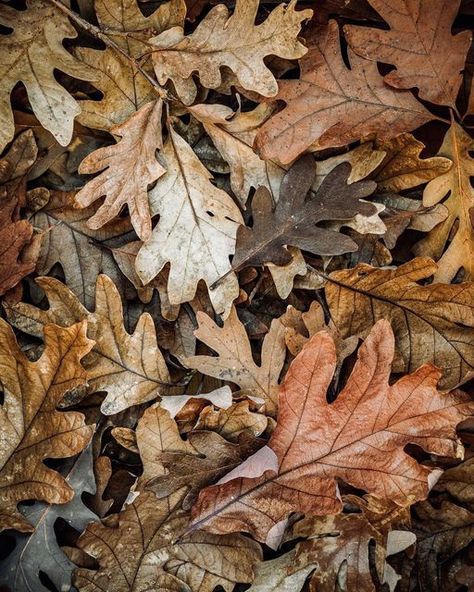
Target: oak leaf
[(195, 232), (32, 429), (293, 221), (172, 464), (403, 168), (136, 551), (419, 43), (233, 421), (129, 368), (124, 88), (359, 438), (130, 168), (331, 105), (455, 191), (432, 323), (235, 363), (82, 253), (232, 41), (31, 54)]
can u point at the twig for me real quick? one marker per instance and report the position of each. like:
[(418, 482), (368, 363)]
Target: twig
[(99, 34)]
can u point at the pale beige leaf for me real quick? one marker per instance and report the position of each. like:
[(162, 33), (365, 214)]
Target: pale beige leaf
[(30, 54), (196, 230), (233, 41), (235, 363)]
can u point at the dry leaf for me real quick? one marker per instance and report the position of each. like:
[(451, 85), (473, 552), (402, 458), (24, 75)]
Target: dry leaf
[(403, 168), (129, 368), (83, 253), (232, 41), (136, 550), (124, 89), (31, 53), (235, 362), (454, 189), (331, 105), (432, 323), (419, 44), (32, 429), (360, 438), (195, 232), (130, 168), (233, 421), (293, 220)]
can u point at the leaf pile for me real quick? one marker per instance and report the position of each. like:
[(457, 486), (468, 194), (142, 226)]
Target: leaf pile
[(237, 296)]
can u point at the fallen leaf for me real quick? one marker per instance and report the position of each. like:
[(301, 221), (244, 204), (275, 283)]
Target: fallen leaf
[(235, 362), (403, 168), (125, 90), (454, 189), (31, 53), (331, 105), (233, 421), (129, 368), (359, 438), (432, 323), (293, 220), (32, 429), (232, 41), (40, 552), (196, 230), (419, 44), (130, 168)]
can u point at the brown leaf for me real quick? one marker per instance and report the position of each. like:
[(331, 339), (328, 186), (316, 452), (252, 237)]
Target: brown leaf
[(130, 168), (130, 368), (32, 52), (136, 551), (231, 422), (235, 362), (331, 105), (124, 89), (432, 323), (83, 253), (233, 41), (419, 44), (32, 429), (171, 463), (293, 220), (360, 438), (402, 168), (454, 189)]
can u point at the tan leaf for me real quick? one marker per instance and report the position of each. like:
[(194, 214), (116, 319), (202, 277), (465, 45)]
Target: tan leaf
[(231, 422), (196, 230), (402, 168), (360, 438), (31, 54), (31, 427), (235, 362), (130, 168), (136, 551), (233, 41), (171, 463), (432, 323), (130, 368), (233, 135), (456, 231), (124, 89), (419, 44), (331, 105), (83, 253)]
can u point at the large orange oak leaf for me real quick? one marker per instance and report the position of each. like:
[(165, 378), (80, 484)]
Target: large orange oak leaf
[(31, 427), (359, 438)]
